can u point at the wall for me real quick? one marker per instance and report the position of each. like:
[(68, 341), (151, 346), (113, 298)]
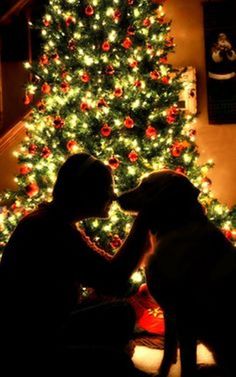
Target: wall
[(214, 142)]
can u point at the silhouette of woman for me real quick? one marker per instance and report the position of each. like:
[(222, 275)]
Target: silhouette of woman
[(45, 261)]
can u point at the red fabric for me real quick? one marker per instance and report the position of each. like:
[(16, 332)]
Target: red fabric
[(148, 312)]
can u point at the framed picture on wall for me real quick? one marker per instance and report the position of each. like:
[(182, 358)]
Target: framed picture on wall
[(220, 52)]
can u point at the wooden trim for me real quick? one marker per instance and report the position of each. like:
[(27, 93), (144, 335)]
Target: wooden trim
[(14, 133), (15, 8)]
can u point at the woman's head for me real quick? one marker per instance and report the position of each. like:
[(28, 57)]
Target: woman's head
[(84, 187)]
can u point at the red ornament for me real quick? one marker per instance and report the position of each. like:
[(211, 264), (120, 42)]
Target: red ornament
[(46, 22), (178, 147), (84, 106), (28, 99), (129, 122), (118, 92), (24, 170), (163, 60), (151, 132), (117, 15), (89, 11), (146, 22), (85, 77), (127, 43), (33, 148), (72, 45), (115, 242), (154, 75), (138, 83), (170, 119), (228, 234), (106, 130), (133, 64), (44, 60), (41, 106), (130, 2), (69, 20), (106, 46), (65, 86), (55, 57), (46, 89), (32, 189), (110, 70), (58, 122), (131, 30), (71, 145), (169, 42), (181, 170), (165, 80), (192, 132), (46, 152), (114, 162), (133, 156), (102, 103)]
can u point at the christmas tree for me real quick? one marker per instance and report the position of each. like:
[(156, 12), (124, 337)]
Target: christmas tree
[(103, 85)]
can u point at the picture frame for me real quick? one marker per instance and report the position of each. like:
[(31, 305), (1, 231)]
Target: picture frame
[(220, 55)]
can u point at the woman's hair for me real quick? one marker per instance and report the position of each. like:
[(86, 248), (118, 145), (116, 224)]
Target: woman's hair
[(81, 175)]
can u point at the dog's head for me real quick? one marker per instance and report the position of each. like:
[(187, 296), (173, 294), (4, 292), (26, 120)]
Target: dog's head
[(164, 196)]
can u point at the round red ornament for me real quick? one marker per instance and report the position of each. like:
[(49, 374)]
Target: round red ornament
[(110, 70), (165, 80), (133, 64), (65, 86), (69, 20), (71, 145), (127, 43), (117, 15), (89, 10), (102, 103), (58, 122), (28, 99), (129, 122), (32, 189), (118, 92), (46, 89), (106, 46), (72, 45), (106, 130), (84, 106), (154, 75), (181, 170), (44, 60), (114, 162), (115, 242), (24, 170), (131, 30), (33, 148), (146, 22), (151, 132), (138, 83), (85, 77), (46, 152), (133, 156)]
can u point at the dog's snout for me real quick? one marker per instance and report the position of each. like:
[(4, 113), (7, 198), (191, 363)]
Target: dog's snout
[(129, 202)]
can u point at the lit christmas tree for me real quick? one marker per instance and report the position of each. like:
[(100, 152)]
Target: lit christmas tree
[(106, 87)]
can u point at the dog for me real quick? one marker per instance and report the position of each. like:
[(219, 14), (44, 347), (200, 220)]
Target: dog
[(191, 272)]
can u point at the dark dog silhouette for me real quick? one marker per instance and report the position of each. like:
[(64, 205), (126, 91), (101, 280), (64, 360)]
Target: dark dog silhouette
[(191, 273)]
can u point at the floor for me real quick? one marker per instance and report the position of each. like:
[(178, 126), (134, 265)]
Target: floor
[(148, 360)]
